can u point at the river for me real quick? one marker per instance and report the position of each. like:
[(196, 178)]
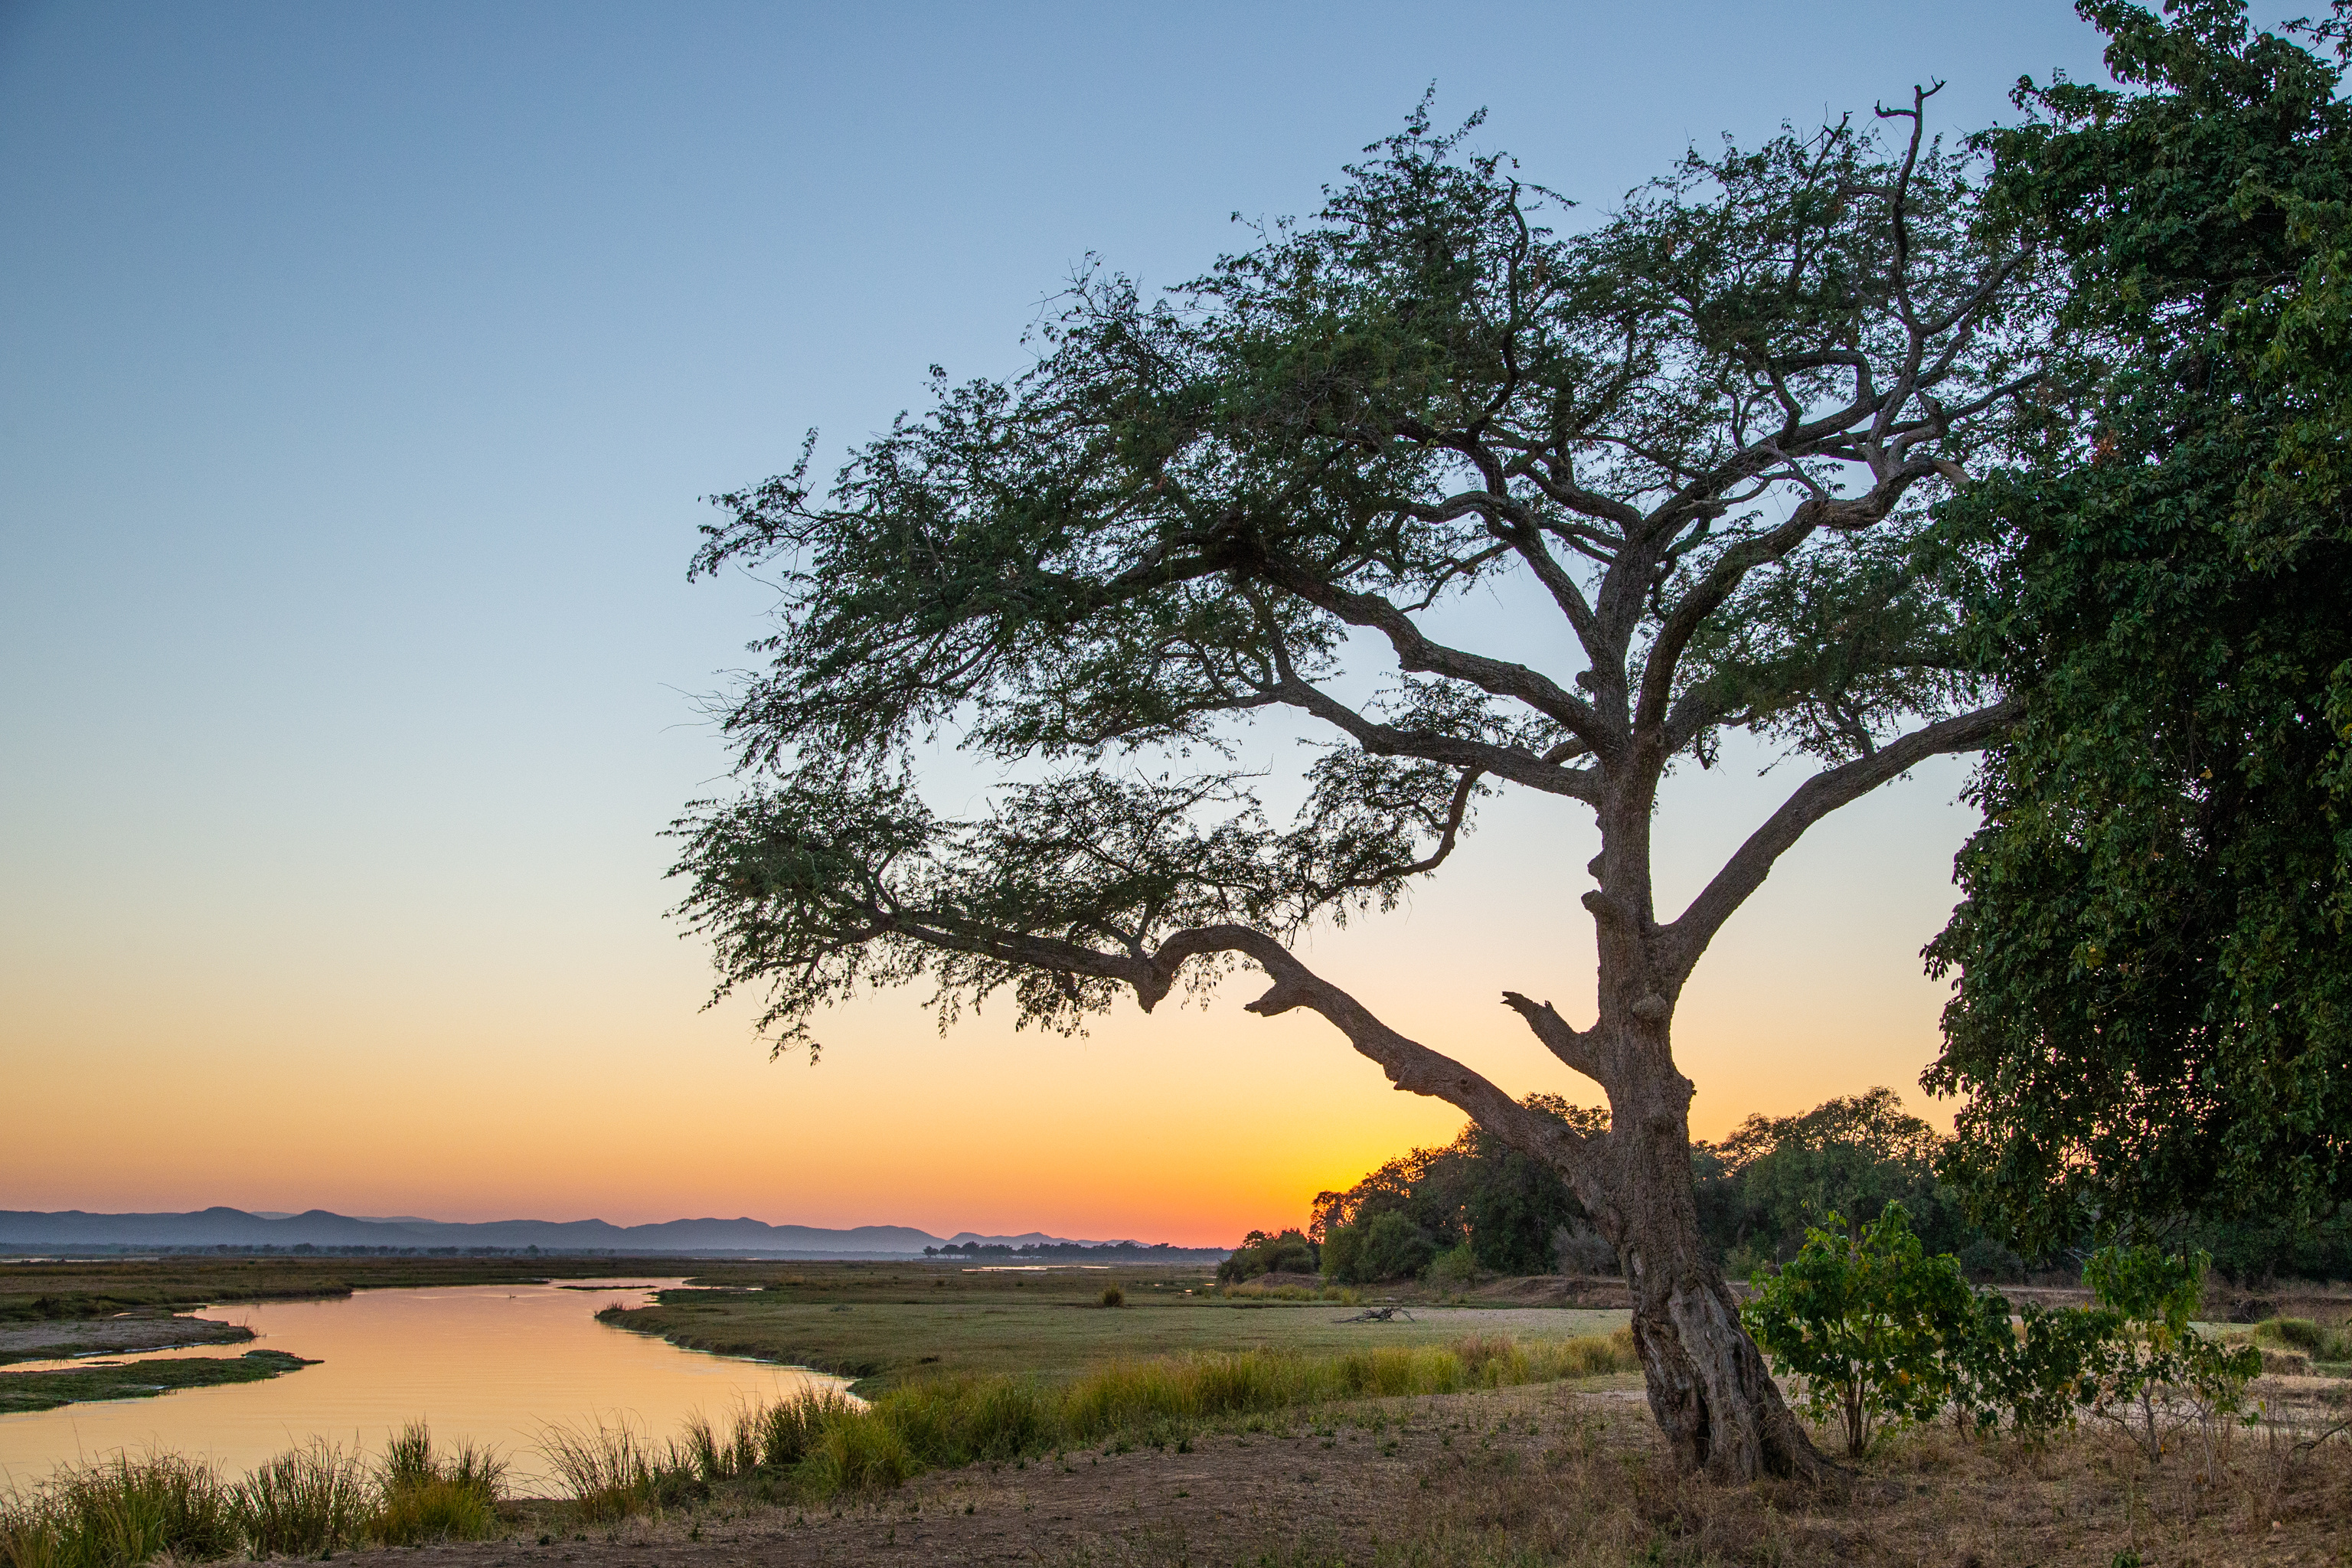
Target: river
[(493, 1362)]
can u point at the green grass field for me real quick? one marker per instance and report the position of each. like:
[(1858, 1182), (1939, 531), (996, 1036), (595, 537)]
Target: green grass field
[(886, 1325)]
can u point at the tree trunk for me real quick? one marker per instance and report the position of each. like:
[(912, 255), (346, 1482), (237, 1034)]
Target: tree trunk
[(1708, 1387)]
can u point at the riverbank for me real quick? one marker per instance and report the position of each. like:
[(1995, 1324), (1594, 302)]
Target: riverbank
[(59, 1290), (25, 1391), (1485, 1453), (148, 1329)]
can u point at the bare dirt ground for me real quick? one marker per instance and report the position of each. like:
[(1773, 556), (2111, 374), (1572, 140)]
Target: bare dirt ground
[(1518, 1477), (47, 1339)]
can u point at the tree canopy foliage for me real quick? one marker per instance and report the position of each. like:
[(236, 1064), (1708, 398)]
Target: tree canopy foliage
[(1696, 438), (2153, 1017), (1198, 508), (1775, 1176)]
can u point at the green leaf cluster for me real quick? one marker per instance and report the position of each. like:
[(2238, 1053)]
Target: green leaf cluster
[(1865, 1319), (2153, 1016), (2161, 1376)]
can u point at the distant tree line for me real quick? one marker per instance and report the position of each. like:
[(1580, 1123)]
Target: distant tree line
[(1059, 1251), (1758, 1191)]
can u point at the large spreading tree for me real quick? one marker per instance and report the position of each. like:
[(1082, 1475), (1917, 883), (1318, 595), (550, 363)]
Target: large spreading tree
[(2154, 1015), (1707, 429)]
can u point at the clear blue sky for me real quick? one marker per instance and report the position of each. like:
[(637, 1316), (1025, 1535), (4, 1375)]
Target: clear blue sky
[(360, 367)]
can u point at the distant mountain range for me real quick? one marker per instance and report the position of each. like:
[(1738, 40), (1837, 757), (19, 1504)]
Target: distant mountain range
[(27, 1230)]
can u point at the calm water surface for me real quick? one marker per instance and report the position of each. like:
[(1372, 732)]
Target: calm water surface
[(493, 1362)]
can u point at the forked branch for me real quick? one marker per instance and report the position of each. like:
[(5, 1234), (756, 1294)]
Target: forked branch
[(1682, 942), (1572, 1046)]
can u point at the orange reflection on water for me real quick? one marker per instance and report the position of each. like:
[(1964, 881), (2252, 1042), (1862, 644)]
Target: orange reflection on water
[(496, 1364)]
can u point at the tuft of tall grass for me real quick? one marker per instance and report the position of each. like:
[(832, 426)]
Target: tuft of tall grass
[(306, 1500), (118, 1513), (426, 1497), (609, 1469), (966, 1417), (790, 1428), (858, 1455)]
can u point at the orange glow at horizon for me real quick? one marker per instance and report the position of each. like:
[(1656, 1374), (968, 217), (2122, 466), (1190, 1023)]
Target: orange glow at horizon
[(601, 1091)]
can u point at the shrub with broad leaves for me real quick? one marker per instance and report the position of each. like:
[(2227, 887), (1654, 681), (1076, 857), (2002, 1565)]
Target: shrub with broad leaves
[(1866, 1320), (2032, 1368)]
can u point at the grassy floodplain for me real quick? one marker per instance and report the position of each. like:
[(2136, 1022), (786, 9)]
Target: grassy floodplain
[(886, 1325)]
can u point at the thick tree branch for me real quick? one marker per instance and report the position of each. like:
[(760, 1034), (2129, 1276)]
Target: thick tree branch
[(1574, 1046), (1680, 944), (1416, 653), (1410, 1065), (1437, 746)]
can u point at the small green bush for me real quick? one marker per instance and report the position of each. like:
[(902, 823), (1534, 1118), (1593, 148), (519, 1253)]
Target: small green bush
[(426, 1498), (1865, 1320), (1456, 1267), (1113, 1296), (2297, 1334), (2162, 1377), (1743, 1262)]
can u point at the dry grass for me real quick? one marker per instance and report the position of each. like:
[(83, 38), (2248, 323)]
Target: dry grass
[(816, 1447), (1514, 1476), (1571, 1482)]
